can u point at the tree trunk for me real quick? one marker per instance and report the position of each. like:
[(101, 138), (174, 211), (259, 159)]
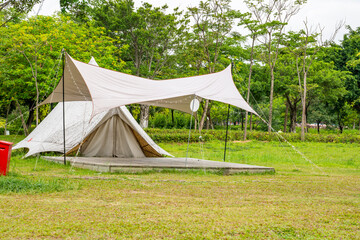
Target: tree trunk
[(340, 124), (249, 83), (26, 132), (293, 110), (131, 110), (306, 115), (37, 103), (172, 117), (144, 116), (30, 118), (286, 116), (318, 127), (292, 103), (271, 98), (250, 122), (203, 117), (195, 127), (242, 121), (37, 90), (7, 115), (210, 123), (303, 117), (34, 76), (245, 128)]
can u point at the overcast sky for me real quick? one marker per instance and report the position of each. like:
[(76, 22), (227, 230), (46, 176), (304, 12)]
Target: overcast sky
[(325, 13)]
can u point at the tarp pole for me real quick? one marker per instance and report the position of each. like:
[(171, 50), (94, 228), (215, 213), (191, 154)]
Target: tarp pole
[(227, 129), (192, 113), (63, 95)]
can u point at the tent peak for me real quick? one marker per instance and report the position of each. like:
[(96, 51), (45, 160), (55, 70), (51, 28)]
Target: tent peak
[(93, 61)]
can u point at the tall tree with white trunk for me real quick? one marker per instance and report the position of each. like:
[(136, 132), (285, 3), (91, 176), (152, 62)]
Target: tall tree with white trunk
[(213, 21), (305, 45), (273, 15)]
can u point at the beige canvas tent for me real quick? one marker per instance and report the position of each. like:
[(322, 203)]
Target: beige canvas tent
[(114, 133)]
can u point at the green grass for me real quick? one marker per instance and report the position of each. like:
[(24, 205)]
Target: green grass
[(12, 138), (319, 158), (15, 183), (300, 201)]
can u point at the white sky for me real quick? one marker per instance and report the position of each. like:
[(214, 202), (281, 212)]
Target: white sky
[(327, 13)]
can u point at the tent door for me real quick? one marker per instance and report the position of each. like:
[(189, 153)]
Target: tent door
[(113, 138)]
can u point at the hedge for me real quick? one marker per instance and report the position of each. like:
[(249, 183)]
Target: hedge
[(181, 135)]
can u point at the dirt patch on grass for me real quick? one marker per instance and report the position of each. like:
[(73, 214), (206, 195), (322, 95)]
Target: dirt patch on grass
[(242, 141)]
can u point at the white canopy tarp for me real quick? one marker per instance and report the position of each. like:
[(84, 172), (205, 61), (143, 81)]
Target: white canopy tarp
[(114, 133), (108, 89)]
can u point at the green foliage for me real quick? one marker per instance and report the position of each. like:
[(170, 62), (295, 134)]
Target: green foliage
[(14, 121), (160, 43), (34, 47), (213, 21), (160, 121), (12, 11), (2, 122), (164, 118), (148, 32), (343, 55)]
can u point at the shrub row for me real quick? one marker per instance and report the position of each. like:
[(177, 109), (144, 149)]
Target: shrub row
[(181, 135)]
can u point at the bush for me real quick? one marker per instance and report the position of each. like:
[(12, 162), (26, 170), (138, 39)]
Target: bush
[(181, 121), (160, 121)]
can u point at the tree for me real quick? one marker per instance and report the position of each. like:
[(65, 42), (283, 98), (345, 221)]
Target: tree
[(149, 33), (287, 85), (331, 87), (325, 84), (77, 10), (13, 9), (255, 30), (273, 16), (344, 57), (305, 45), (351, 46), (213, 21), (34, 46)]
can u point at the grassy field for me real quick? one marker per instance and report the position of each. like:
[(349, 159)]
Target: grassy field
[(313, 198)]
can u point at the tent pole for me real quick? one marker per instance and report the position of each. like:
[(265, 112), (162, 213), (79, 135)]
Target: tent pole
[(227, 119), (227, 128), (192, 113), (63, 95)]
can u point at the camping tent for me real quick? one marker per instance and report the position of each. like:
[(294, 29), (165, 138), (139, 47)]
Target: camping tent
[(108, 89), (114, 133)]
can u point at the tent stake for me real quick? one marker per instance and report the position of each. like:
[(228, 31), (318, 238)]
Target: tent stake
[(227, 128), (63, 95)]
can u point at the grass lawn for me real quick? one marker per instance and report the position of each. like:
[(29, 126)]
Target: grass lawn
[(313, 198)]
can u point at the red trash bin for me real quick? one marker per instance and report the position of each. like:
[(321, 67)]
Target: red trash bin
[(5, 154)]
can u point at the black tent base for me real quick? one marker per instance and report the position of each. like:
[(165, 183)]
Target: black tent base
[(135, 165)]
